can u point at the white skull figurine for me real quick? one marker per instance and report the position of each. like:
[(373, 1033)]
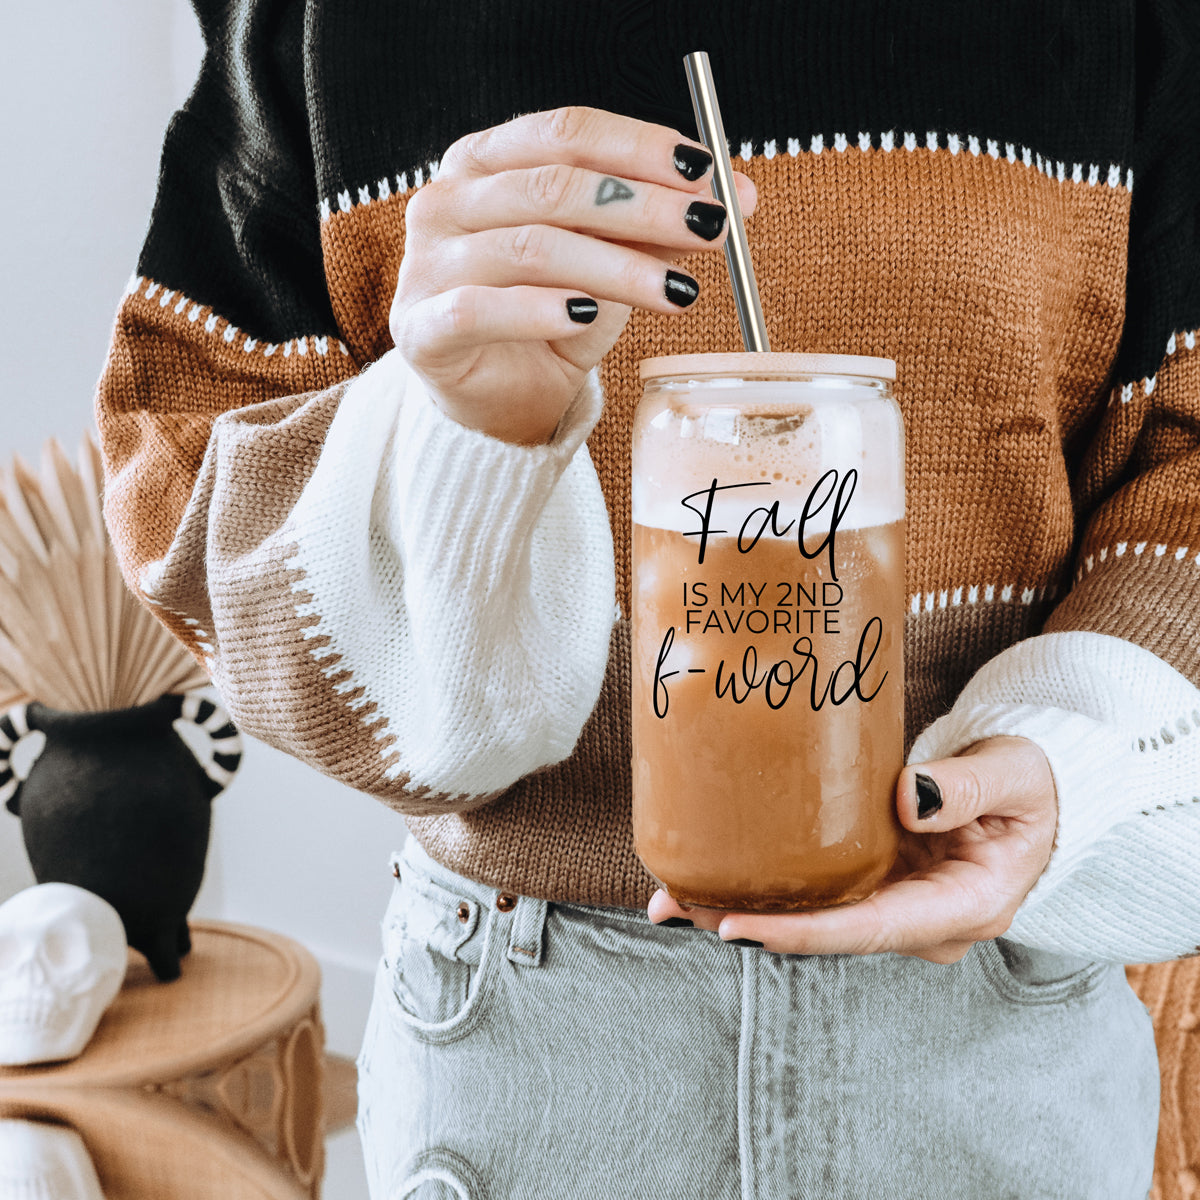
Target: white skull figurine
[(45, 1162), (62, 960)]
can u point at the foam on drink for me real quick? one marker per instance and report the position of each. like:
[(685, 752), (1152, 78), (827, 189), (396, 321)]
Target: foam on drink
[(711, 429)]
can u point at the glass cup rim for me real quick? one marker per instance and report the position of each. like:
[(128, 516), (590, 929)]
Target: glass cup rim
[(765, 364)]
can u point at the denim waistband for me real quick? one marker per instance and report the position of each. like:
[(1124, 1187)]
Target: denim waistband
[(834, 1076), (526, 914), (414, 858)]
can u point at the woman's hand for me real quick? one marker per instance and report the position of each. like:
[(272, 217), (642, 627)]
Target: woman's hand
[(964, 867), (523, 258)]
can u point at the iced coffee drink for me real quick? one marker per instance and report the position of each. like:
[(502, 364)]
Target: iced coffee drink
[(768, 544)]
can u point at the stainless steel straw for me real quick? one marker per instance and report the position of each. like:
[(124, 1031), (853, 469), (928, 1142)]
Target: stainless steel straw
[(737, 250)]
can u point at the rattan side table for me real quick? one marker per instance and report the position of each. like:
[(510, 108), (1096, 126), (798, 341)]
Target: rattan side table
[(233, 1049)]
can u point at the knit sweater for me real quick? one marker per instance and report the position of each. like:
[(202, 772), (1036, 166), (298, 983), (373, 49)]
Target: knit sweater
[(1003, 199)]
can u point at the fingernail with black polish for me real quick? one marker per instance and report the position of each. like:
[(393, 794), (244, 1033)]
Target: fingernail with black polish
[(929, 796), (744, 942), (705, 220), (681, 289), (675, 922), (582, 310), (691, 162)]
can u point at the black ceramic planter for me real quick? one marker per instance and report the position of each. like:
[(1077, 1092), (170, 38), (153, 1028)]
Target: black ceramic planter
[(116, 803)]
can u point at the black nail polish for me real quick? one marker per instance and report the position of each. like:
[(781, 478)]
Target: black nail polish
[(681, 289), (929, 797), (675, 922), (691, 162), (582, 310), (705, 220), (744, 942)]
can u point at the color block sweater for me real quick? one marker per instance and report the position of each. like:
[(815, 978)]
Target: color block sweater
[(1005, 199)]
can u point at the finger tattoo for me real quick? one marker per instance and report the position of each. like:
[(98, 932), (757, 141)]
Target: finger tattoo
[(612, 189)]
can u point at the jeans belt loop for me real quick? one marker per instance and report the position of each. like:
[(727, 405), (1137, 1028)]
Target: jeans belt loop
[(525, 933)]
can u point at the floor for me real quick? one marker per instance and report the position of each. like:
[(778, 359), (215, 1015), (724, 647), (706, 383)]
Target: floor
[(341, 1079), (345, 1178)]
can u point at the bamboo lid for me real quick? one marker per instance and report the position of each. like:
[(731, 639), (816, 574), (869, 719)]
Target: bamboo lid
[(762, 364)]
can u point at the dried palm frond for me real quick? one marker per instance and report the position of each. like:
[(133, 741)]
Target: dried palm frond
[(10, 694), (71, 633)]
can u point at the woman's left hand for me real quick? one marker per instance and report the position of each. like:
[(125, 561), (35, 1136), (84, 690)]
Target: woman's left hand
[(963, 869)]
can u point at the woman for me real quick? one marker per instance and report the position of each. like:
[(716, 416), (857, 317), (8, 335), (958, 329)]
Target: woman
[(345, 422)]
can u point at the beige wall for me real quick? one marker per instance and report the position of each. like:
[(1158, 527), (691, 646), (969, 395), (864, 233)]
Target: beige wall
[(87, 87)]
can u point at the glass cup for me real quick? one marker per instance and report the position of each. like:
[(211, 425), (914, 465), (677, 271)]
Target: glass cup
[(768, 620)]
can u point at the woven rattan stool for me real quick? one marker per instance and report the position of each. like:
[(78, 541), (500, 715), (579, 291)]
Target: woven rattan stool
[(1171, 991), (218, 1072)]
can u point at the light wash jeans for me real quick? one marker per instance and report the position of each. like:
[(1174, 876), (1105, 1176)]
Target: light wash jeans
[(541, 1050)]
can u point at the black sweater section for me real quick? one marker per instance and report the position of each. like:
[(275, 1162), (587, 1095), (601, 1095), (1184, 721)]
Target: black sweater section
[(299, 100)]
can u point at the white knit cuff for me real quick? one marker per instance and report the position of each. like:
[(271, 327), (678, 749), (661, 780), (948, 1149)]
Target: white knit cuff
[(456, 479), (1087, 759), (1110, 718), (463, 587)]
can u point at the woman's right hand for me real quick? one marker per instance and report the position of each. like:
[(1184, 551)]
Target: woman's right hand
[(524, 257)]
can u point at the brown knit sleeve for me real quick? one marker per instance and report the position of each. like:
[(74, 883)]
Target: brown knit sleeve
[(1138, 569), (229, 305), (1137, 492), (229, 316), (173, 367)]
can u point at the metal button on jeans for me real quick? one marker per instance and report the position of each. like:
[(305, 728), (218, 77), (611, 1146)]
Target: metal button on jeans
[(505, 902), (463, 911)]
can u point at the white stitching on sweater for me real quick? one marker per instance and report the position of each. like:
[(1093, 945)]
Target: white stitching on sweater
[(344, 201), (1123, 393), (384, 190), (976, 594), (1121, 550), (213, 322), (147, 584)]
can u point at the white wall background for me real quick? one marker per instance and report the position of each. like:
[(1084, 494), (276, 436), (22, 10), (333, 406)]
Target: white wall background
[(86, 89)]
